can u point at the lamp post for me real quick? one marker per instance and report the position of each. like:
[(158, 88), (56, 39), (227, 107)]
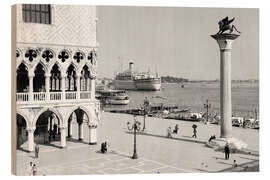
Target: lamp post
[(135, 127), (207, 105)]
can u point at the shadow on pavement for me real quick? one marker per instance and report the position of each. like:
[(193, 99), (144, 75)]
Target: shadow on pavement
[(76, 141), (174, 138)]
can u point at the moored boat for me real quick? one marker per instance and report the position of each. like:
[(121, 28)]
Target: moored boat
[(114, 97)]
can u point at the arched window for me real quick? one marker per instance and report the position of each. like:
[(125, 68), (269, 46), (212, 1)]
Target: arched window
[(22, 78), (39, 79), (85, 79), (71, 78), (55, 78)]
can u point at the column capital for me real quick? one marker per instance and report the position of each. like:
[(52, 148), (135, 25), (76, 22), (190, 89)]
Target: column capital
[(225, 40)]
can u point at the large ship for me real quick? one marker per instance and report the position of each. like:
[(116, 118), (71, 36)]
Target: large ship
[(131, 80)]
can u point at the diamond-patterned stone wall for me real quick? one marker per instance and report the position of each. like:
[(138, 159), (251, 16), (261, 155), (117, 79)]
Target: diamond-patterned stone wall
[(73, 25)]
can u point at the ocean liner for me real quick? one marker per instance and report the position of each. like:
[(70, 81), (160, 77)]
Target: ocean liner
[(131, 80)]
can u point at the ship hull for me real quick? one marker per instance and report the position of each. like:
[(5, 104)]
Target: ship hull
[(117, 101), (124, 85), (148, 84)]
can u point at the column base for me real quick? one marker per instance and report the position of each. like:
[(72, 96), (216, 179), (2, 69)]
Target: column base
[(93, 143), (80, 139), (236, 145)]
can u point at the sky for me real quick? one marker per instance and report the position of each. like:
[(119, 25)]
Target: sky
[(175, 41)]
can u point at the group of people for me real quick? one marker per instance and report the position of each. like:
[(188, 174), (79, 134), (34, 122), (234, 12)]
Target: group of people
[(32, 165), (32, 169), (171, 131)]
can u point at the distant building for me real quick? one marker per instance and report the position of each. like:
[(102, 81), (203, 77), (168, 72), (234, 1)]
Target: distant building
[(56, 71)]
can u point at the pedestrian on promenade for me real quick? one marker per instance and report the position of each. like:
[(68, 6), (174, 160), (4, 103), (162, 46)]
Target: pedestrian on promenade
[(227, 151), (234, 164), (34, 170), (212, 137), (169, 132), (30, 168), (104, 148), (176, 128), (36, 151), (194, 126)]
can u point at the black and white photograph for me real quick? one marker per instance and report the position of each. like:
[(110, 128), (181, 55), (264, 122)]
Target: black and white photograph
[(102, 89)]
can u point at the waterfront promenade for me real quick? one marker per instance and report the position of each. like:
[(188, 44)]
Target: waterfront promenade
[(157, 154)]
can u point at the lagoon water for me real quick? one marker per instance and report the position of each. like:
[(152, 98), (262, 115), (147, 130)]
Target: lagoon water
[(245, 97)]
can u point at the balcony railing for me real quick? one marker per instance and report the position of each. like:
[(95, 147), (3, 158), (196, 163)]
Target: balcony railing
[(52, 96), (22, 97), (39, 96), (71, 95), (55, 96)]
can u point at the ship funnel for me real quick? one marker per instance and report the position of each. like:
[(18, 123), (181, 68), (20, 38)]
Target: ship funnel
[(131, 66)]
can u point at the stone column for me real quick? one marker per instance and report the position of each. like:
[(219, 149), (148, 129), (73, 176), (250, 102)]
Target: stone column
[(93, 87), (31, 142), (47, 86), (31, 96), (92, 134), (78, 86), (80, 131), (63, 137), (225, 45), (63, 87)]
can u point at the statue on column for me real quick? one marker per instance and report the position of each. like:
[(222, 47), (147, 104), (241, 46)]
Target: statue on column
[(225, 25)]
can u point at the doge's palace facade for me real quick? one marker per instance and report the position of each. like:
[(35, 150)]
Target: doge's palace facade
[(56, 54)]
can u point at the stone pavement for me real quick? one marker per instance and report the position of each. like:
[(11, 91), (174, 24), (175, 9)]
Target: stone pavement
[(157, 154)]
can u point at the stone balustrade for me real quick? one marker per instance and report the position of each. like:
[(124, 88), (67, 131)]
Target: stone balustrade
[(52, 96)]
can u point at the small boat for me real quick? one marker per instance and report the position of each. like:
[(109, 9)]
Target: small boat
[(114, 97), (237, 121)]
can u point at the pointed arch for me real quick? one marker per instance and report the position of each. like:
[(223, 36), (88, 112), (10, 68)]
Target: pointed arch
[(87, 112), (55, 111), (24, 115), (41, 63), (59, 66)]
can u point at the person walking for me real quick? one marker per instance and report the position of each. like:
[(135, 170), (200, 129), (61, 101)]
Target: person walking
[(169, 132), (176, 128), (227, 151), (30, 168), (36, 151), (194, 126), (34, 170)]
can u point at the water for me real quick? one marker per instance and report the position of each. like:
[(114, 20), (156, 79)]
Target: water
[(245, 97)]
